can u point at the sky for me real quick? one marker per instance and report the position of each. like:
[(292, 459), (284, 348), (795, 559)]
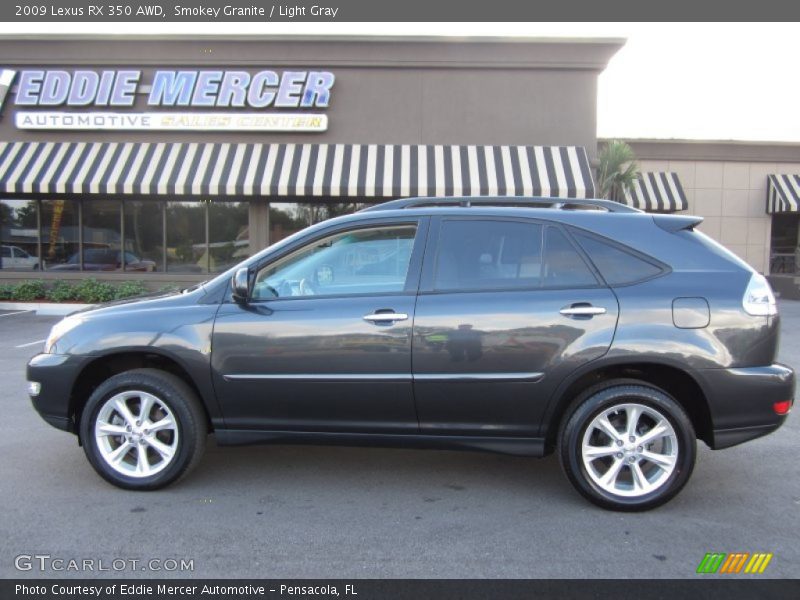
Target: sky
[(706, 81)]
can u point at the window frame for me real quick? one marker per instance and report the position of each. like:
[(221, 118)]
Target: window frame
[(410, 287), (427, 285)]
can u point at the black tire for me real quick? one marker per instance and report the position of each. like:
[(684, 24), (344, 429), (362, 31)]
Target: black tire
[(603, 397), (190, 425)]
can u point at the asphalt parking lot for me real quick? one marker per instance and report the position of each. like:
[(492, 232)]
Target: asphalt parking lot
[(314, 512)]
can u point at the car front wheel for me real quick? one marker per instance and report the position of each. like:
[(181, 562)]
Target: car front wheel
[(143, 429), (627, 446)]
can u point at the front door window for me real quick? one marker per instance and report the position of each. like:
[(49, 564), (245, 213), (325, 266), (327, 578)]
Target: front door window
[(363, 261)]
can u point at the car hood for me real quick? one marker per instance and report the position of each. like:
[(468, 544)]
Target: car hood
[(148, 301)]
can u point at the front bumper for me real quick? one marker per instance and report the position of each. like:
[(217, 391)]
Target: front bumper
[(56, 374), (741, 401)]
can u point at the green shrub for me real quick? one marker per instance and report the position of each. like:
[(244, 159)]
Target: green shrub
[(92, 291), (89, 291), (169, 289), (28, 291), (62, 291), (128, 289)]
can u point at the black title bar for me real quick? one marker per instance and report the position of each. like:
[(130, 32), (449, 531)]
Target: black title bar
[(261, 11), (705, 587)]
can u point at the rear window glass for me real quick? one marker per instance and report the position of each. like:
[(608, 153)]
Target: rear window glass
[(617, 266)]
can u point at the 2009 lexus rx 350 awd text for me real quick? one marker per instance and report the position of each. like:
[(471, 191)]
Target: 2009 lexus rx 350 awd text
[(523, 326)]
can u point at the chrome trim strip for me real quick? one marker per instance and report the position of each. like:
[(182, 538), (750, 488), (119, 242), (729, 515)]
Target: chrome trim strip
[(488, 377), (322, 376)]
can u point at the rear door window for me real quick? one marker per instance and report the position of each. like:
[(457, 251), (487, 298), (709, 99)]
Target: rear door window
[(564, 266), (488, 255), (476, 255)]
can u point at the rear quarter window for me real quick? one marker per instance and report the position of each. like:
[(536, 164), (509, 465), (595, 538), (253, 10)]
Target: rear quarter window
[(616, 264)]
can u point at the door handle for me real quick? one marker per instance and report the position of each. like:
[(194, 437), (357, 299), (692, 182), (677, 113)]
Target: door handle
[(586, 310), (387, 316)]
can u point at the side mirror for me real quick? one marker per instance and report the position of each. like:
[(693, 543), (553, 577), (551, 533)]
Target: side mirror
[(240, 285)]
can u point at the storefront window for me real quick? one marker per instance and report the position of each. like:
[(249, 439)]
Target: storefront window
[(144, 234), (228, 233), (286, 218), (60, 235), (102, 236), (785, 244), (19, 234), (186, 237)]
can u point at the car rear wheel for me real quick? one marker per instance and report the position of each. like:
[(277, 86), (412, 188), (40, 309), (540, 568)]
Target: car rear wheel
[(627, 445), (143, 429)]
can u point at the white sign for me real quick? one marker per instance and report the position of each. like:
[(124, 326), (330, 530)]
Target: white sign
[(172, 121)]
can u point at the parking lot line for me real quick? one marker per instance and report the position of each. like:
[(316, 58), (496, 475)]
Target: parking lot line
[(19, 312), (29, 344)]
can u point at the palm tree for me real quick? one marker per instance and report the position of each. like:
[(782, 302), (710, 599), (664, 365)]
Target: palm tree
[(617, 170)]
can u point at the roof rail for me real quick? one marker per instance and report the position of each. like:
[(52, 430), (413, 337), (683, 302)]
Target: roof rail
[(518, 201)]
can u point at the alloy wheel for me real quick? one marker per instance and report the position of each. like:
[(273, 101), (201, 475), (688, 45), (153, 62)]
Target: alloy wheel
[(136, 434), (629, 450)]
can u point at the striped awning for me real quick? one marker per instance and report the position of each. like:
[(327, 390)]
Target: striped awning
[(783, 193), (657, 192), (322, 170)]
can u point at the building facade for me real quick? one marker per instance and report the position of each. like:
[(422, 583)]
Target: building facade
[(170, 159)]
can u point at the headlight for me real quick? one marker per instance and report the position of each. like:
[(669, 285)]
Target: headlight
[(758, 298), (59, 330)]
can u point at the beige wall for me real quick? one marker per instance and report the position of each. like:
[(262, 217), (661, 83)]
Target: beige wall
[(731, 197), (726, 184)]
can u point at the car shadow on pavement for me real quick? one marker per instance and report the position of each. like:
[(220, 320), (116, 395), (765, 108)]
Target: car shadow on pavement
[(314, 469)]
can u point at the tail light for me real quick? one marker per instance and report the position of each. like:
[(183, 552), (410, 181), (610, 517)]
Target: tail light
[(759, 300), (782, 408)]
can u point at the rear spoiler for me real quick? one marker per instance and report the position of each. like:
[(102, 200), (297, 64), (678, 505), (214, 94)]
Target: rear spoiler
[(675, 223)]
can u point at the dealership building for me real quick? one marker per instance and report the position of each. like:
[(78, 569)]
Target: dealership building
[(169, 159)]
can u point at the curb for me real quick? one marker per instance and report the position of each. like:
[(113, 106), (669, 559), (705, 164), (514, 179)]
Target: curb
[(44, 308)]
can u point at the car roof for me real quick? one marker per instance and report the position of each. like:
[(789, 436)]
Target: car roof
[(511, 201), (650, 233)]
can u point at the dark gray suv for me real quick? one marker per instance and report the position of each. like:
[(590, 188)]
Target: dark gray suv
[(524, 326)]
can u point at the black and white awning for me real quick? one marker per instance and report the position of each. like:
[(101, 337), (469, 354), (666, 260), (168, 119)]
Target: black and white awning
[(657, 192), (783, 193), (292, 170)]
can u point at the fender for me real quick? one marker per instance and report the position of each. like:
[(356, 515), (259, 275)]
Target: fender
[(199, 374), (558, 401)]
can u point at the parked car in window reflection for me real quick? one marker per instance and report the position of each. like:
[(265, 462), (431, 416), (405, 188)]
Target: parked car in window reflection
[(103, 259), (17, 259)]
